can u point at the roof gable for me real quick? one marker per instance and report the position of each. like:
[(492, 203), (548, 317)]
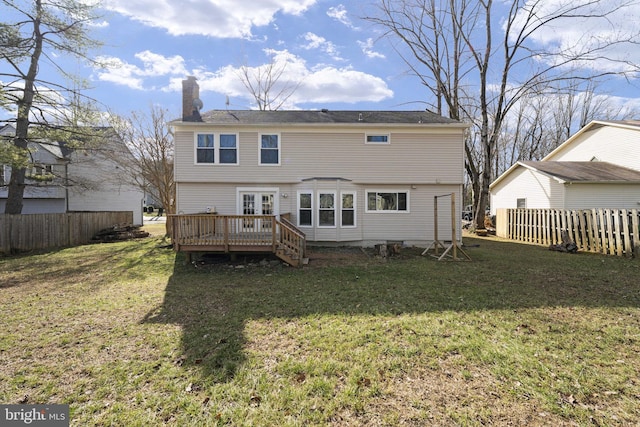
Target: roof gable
[(633, 125)]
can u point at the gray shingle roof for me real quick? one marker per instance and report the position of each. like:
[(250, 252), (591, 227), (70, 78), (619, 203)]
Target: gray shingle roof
[(323, 116), (586, 171)]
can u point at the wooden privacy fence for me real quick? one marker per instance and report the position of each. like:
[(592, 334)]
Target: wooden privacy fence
[(41, 231), (606, 231)]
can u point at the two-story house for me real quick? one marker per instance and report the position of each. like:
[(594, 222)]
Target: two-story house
[(341, 177), (62, 179)]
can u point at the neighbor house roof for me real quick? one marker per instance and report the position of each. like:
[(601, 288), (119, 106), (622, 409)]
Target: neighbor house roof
[(261, 117), (585, 172)]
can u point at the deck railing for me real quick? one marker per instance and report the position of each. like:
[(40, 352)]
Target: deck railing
[(237, 233)]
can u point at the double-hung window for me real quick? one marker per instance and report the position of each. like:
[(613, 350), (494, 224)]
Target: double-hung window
[(217, 148), (269, 149), (326, 209), (228, 149), (387, 201), (2, 177), (305, 209), (205, 148), (348, 209)]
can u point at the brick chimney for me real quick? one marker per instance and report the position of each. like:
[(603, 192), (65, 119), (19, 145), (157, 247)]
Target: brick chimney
[(191, 103)]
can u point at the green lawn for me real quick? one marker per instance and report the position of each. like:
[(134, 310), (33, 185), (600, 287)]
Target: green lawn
[(128, 335)]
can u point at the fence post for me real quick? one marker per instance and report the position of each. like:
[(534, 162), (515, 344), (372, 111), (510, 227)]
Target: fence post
[(626, 231), (635, 223)]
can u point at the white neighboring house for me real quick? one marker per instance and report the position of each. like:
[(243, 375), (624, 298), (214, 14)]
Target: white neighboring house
[(71, 180), (598, 167)]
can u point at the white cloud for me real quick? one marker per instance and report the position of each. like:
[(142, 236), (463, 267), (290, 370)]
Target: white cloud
[(98, 24), (339, 13), (322, 85), (317, 42), (367, 49), (153, 65), (216, 18)]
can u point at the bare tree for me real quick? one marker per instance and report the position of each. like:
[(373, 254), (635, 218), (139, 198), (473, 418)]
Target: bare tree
[(41, 31), (452, 48), (151, 142), (267, 83), (540, 122)]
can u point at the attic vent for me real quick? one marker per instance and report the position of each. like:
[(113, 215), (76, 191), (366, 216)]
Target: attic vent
[(594, 159)]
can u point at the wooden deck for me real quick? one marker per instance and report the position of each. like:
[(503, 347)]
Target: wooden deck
[(238, 233)]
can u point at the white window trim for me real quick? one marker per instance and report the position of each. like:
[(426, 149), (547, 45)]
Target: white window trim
[(389, 190), (216, 149), (335, 207), (260, 148), (276, 198), (298, 208), (355, 209), (366, 139), (195, 148)]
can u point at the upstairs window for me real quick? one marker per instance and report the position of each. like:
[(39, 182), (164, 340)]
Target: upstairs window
[(377, 139), (269, 149), (228, 149), (382, 201), (40, 172), (2, 177), (217, 148), (205, 150)]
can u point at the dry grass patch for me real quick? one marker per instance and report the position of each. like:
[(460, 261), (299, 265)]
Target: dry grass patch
[(128, 335)]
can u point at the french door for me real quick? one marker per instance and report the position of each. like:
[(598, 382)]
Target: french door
[(258, 203)]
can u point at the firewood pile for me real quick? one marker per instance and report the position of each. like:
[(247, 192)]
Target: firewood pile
[(567, 244), (119, 233)]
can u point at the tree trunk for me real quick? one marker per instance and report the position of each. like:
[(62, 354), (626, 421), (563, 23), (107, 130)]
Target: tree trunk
[(15, 194)]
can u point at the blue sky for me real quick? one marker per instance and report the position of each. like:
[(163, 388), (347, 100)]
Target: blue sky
[(336, 59)]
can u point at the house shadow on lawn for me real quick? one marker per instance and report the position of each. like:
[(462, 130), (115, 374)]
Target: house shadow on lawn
[(212, 301)]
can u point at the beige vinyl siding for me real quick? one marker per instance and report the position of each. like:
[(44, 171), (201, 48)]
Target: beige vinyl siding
[(608, 144), (223, 197), (611, 196), (417, 225), (541, 191), (409, 158)]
